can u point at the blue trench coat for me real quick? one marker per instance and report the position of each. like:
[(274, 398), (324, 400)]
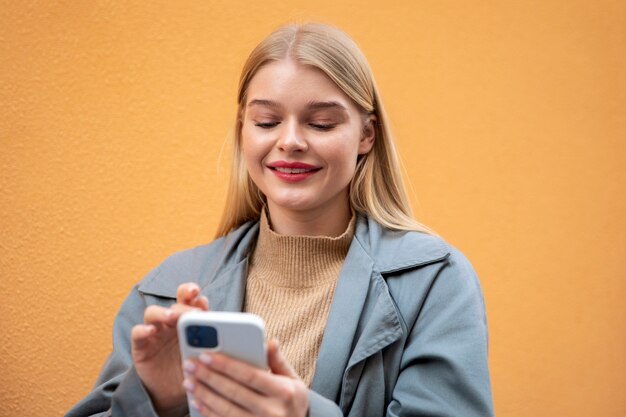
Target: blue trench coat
[(406, 333)]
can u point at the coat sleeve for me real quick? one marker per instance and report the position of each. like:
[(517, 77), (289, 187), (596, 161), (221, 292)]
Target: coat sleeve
[(444, 369), (118, 390)]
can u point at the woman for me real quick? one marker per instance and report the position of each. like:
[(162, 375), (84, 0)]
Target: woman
[(374, 314)]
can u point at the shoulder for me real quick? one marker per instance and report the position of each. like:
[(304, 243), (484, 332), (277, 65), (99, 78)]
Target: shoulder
[(201, 263), (427, 278), (422, 260), (393, 250)]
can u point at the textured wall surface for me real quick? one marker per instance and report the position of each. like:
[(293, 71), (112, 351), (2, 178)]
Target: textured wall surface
[(509, 117)]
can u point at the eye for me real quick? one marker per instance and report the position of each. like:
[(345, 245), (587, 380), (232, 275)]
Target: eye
[(322, 127), (267, 125)]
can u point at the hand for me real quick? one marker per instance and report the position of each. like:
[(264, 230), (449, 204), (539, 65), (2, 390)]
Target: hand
[(155, 349), (223, 386)]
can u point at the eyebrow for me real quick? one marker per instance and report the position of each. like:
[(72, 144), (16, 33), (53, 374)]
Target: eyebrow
[(267, 103), (325, 105), (310, 104)]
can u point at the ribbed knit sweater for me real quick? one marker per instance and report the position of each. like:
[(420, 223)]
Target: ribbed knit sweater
[(291, 284)]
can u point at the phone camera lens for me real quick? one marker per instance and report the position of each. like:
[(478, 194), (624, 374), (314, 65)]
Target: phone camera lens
[(202, 336)]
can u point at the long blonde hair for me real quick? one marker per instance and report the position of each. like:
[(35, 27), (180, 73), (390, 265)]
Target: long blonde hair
[(377, 189)]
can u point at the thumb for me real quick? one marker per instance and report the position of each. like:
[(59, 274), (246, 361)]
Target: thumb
[(277, 362)]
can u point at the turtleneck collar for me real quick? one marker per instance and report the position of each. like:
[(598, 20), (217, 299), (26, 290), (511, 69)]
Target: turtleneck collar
[(299, 261)]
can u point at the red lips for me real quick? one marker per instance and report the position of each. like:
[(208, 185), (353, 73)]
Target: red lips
[(293, 171)]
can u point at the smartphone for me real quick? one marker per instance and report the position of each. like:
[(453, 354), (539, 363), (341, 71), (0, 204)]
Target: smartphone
[(239, 335)]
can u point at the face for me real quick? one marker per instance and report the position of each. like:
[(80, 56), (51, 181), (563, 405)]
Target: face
[(301, 137)]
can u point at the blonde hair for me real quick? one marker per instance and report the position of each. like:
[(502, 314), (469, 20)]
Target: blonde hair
[(377, 189)]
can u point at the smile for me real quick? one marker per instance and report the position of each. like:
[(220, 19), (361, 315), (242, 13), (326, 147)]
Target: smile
[(293, 171)]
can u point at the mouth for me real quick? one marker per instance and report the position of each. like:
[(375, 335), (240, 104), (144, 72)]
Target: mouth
[(293, 171)]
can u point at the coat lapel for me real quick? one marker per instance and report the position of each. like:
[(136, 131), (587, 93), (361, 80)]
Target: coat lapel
[(341, 327), (364, 318), (382, 327), (227, 291), (219, 268)]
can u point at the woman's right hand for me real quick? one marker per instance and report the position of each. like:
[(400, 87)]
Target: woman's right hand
[(155, 349)]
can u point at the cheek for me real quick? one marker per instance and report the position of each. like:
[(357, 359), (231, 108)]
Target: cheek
[(253, 148), (342, 153)]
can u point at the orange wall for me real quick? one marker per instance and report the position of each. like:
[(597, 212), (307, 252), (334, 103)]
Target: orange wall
[(510, 117)]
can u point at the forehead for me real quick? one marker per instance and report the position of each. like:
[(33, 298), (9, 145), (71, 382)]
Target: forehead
[(288, 83)]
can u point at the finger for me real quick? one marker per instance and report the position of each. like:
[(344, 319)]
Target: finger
[(158, 315), (178, 309), (202, 303), (205, 399), (141, 337), (140, 334), (244, 373), (186, 293), (277, 362), (224, 386)]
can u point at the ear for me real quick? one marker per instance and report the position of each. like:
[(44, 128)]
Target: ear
[(369, 134)]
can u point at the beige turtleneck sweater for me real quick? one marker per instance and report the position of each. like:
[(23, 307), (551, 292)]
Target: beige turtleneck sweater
[(291, 284)]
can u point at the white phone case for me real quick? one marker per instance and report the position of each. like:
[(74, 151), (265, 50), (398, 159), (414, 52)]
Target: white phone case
[(239, 335)]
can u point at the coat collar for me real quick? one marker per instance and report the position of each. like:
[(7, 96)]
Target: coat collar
[(211, 265), (392, 251)]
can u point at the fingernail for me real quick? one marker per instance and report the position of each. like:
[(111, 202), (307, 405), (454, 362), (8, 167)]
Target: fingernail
[(189, 366), (205, 358), (189, 386)]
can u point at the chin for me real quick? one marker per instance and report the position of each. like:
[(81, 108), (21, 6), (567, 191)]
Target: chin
[(292, 202), (292, 205)]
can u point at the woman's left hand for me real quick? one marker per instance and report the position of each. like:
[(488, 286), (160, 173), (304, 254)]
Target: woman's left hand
[(223, 386)]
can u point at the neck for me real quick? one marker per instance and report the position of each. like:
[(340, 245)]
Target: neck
[(309, 223)]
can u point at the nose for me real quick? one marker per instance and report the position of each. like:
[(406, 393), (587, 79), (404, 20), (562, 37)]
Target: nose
[(291, 138)]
